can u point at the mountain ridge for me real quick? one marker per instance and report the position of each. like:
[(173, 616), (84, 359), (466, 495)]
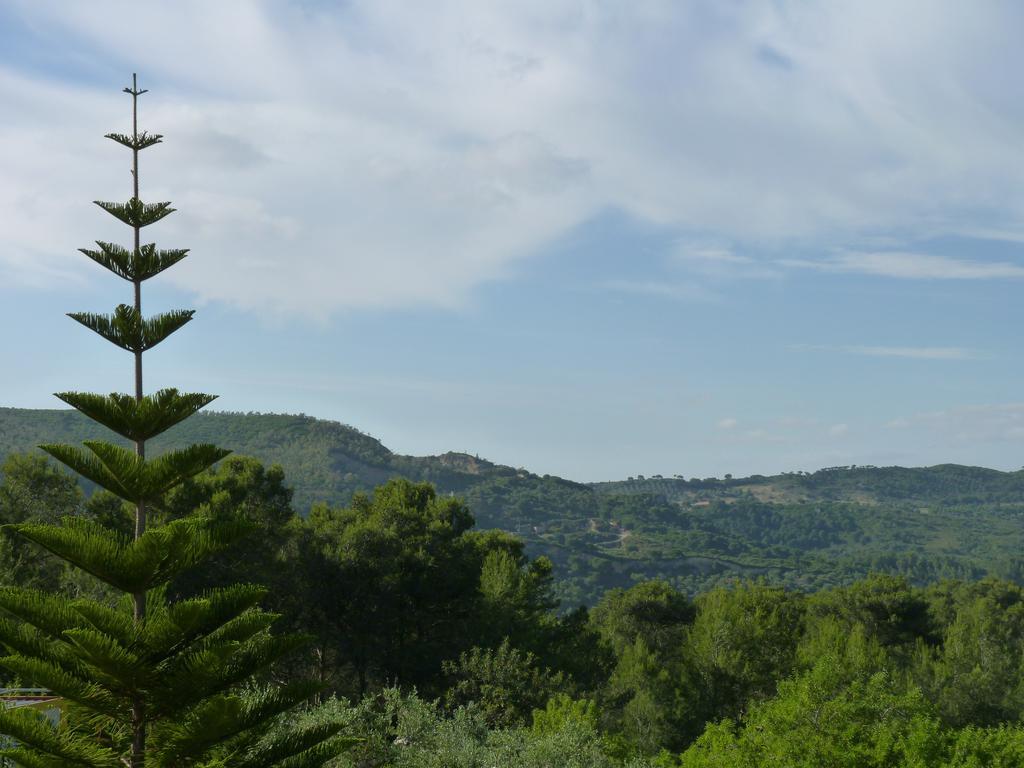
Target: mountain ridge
[(803, 530), (362, 450)]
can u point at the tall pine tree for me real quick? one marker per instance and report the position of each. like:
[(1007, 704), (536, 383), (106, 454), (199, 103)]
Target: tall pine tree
[(149, 681)]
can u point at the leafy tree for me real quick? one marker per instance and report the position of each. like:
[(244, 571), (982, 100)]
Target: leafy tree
[(974, 676), (886, 606), (999, 747), (506, 683), (401, 730), (562, 709), (742, 643), (647, 700), (574, 646), (651, 611), (824, 718), (516, 594), (241, 486), (820, 720), (33, 490), (110, 511), (650, 702), (859, 653), (149, 681), (399, 581)]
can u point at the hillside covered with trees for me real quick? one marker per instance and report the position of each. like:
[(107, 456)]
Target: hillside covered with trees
[(441, 644), (800, 530)]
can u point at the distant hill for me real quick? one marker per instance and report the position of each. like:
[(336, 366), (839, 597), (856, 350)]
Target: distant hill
[(323, 460), (943, 484), (802, 530)]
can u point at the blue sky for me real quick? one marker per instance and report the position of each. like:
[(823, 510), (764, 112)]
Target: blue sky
[(589, 239)]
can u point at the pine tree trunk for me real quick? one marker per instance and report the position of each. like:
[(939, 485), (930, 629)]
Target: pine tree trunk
[(138, 757)]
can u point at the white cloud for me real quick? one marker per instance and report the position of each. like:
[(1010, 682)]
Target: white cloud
[(688, 291), (990, 422), (711, 254), (914, 353), (838, 430), (762, 435), (719, 262), (915, 266), (382, 154), (727, 423)]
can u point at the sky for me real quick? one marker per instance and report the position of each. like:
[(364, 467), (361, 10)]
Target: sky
[(587, 238)]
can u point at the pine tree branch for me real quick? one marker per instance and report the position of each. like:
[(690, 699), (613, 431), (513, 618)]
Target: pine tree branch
[(133, 265), (137, 419), (140, 141), (62, 748), (126, 328), (137, 565), (136, 213)]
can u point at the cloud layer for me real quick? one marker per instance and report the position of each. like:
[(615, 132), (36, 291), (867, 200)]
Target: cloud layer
[(912, 353), (912, 266), (389, 154)]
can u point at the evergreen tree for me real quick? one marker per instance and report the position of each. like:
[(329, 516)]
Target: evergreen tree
[(148, 681)]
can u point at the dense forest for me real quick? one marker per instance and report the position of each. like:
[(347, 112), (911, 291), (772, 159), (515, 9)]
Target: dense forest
[(805, 531), (441, 644)]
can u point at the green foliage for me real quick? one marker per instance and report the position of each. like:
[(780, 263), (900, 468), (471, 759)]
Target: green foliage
[(885, 606), (404, 731), (804, 532), (137, 419), (240, 487), (134, 265), (999, 747), (32, 490), (395, 571), (859, 653), (646, 700), (130, 476), (136, 141), (562, 710), (110, 511), (742, 643), (186, 659), (651, 611), (134, 212), (821, 719), (401, 583), (879, 672), (975, 673), (649, 704), (515, 595), (128, 329), (135, 565), (504, 682)]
